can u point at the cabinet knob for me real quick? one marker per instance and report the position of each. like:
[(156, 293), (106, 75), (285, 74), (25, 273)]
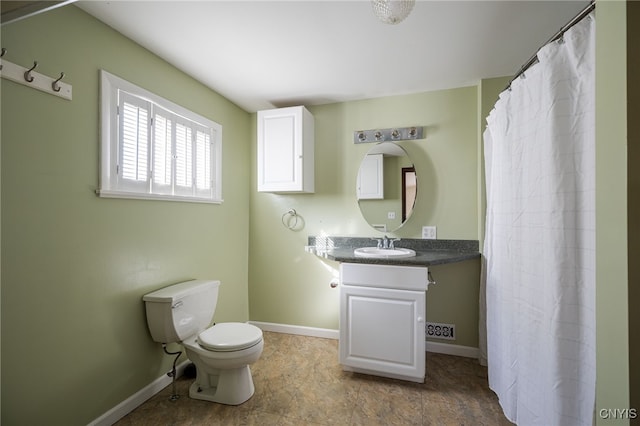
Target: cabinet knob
[(333, 283)]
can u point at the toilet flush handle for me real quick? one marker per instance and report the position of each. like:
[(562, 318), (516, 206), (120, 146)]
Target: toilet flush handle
[(177, 304)]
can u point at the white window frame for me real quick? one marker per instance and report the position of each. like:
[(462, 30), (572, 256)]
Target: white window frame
[(112, 184)]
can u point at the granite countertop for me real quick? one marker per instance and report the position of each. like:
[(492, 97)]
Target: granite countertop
[(428, 252)]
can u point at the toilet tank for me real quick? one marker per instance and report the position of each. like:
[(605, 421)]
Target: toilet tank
[(181, 310)]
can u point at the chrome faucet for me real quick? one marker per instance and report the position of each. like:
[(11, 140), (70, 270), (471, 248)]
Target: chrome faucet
[(386, 242)]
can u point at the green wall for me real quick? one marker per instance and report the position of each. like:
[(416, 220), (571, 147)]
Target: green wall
[(289, 286), (74, 266), (612, 221)]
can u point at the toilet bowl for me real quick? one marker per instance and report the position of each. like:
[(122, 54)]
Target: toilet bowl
[(221, 353)]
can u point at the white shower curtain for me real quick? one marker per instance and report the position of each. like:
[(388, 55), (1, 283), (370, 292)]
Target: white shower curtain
[(539, 249)]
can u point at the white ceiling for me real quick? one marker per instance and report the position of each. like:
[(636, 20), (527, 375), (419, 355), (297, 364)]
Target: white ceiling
[(264, 54)]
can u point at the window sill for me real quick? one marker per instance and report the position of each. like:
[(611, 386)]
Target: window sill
[(105, 193)]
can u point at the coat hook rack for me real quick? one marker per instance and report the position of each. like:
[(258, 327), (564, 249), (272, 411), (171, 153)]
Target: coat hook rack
[(31, 78)]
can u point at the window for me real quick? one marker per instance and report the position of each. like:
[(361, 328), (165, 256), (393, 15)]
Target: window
[(152, 148)]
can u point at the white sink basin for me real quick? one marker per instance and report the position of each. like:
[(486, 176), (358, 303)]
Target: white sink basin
[(374, 252)]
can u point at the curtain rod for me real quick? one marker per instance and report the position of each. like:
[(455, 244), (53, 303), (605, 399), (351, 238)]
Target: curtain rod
[(590, 7)]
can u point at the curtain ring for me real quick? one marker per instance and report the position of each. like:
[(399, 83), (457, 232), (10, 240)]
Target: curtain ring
[(54, 85), (290, 215), (27, 74)]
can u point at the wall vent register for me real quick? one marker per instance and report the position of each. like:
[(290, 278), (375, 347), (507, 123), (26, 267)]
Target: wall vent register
[(438, 330)]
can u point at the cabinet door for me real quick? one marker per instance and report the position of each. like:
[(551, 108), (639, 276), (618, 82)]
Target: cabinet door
[(285, 150), (382, 331), (371, 178)]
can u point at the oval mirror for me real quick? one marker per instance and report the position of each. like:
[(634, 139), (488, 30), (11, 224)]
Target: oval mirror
[(386, 187)]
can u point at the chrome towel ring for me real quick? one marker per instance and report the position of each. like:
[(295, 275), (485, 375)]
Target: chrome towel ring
[(290, 219)]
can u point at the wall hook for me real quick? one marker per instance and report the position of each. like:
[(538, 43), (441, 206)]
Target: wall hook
[(54, 85), (27, 74)]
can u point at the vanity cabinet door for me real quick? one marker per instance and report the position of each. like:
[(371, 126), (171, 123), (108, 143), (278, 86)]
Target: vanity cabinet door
[(285, 150), (382, 331)]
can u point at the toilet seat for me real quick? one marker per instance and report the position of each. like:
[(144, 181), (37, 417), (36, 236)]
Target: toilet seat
[(229, 337)]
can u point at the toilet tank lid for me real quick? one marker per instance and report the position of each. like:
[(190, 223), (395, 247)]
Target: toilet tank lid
[(178, 291)]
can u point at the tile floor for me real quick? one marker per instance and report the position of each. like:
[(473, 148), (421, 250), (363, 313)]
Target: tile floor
[(299, 382)]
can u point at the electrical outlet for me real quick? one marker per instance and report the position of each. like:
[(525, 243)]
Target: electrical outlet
[(391, 215), (429, 232)]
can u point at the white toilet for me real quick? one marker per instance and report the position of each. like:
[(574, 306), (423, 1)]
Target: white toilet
[(221, 353)]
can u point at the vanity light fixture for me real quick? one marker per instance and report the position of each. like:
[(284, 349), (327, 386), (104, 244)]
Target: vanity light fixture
[(393, 134)]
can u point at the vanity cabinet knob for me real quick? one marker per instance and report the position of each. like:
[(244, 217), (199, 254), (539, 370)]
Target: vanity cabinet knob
[(333, 283)]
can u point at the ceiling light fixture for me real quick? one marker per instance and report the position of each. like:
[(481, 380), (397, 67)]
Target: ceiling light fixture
[(392, 11)]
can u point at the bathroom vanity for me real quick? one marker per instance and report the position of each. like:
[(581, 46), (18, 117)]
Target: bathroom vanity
[(382, 319), (383, 301)]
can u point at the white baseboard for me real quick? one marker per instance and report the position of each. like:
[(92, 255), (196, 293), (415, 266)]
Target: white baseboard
[(137, 399), (436, 347), (301, 330), (449, 349)]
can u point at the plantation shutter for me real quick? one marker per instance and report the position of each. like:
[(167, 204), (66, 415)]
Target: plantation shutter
[(183, 158), (163, 135), (152, 148), (133, 149), (203, 159)]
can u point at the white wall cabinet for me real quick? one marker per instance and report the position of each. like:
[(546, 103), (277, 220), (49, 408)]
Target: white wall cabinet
[(382, 320), (285, 150), (371, 178)]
